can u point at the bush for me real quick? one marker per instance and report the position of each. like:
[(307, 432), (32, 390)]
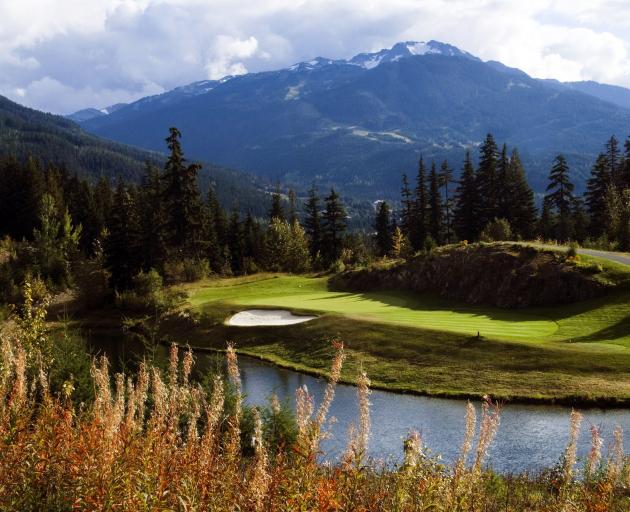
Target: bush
[(496, 231), (148, 294), (337, 267), (195, 270), (592, 268), (430, 244), (572, 250), (186, 270)]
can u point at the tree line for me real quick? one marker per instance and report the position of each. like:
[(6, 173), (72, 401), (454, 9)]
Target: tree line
[(53, 218), (163, 224), (495, 201)]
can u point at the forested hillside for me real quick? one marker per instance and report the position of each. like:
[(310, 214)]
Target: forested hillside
[(52, 139)]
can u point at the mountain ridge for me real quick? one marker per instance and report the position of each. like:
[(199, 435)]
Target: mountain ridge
[(359, 125)]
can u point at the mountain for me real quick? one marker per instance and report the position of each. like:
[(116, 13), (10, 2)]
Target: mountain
[(360, 123), (612, 93), (86, 114), (54, 139)]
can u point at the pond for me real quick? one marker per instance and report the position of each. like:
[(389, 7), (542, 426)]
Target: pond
[(530, 437)]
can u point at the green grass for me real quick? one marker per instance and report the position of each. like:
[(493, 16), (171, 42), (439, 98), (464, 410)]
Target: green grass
[(577, 353), (399, 308)]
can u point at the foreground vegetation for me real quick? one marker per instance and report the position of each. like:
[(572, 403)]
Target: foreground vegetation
[(156, 440)]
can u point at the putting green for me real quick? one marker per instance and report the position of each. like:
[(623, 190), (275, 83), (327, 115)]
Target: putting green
[(399, 308)]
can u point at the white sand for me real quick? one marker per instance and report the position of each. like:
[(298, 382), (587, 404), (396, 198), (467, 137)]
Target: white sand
[(255, 317)]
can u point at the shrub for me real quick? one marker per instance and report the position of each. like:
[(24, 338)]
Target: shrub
[(337, 267), (592, 268), (572, 250), (496, 231), (186, 270), (195, 270)]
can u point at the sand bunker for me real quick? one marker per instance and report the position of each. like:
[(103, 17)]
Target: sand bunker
[(256, 317)]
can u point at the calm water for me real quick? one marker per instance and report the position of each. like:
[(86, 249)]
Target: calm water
[(530, 437)]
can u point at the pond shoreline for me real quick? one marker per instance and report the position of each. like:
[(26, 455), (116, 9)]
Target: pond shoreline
[(580, 402)]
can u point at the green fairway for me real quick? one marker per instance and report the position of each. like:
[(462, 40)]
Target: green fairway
[(400, 308), (577, 353)]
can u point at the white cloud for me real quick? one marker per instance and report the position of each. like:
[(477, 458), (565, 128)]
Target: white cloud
[(69, 54), (226, 52)]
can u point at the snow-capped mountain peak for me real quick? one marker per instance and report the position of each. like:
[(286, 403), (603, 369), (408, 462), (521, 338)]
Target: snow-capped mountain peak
[(396, 52)]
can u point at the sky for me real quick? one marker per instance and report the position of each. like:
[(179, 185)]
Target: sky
[(63, 55)]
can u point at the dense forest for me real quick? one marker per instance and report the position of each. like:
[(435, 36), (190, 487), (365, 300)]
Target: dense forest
[(495, 202), (52, 220)]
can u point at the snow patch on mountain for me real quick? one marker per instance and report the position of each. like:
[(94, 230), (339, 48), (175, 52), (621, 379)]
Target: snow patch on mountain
[(293, 91), (395, 53)]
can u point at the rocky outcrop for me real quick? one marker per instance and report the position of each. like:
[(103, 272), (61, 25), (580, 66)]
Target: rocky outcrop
[(503, 275)]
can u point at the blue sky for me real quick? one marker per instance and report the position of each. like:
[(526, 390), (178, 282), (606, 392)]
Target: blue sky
[(63, 55)]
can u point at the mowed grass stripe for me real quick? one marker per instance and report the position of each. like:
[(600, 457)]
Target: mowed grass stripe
[(399, 308)]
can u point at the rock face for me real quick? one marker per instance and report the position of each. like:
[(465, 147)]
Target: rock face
[(507, 276)]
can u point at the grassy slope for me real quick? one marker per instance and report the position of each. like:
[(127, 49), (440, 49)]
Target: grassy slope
[(575, 353)]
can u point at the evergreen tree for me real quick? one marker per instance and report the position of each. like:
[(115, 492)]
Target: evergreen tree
[(236, 243), (487, 181), (435, 206), (504, 187), (216, 233), (580, 220), (56, 242), (596, 190), (466, 216), (253, 249), (276, 211), (103, 196), (183, 204), (123, 245), (445, 178), (21, 190), (418, 230), (334, 228), (152, 219), (613, 161), (312, 223), (626, 166), (547, 222), (560, 197), (407, 207), (292, 207), (383, 232), (521, 209)]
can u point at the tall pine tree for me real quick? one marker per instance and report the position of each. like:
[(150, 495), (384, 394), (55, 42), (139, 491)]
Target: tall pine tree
[(467, 203), (383, 232), (182, 200), (560, 197), (312, 223), (407, 207), (446, 178), (334, 228), (123, 245), (596, 190), (435, 206), (153, 219), (521, 210), (418, 229), (487, 182)]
